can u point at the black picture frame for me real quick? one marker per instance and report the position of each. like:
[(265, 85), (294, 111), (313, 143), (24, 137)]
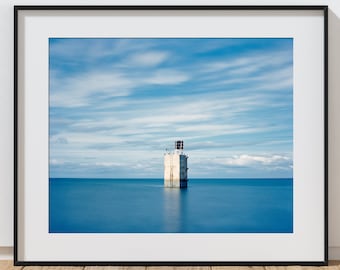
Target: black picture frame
[(20, 125)]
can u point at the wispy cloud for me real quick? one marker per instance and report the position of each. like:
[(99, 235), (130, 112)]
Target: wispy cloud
[(79, 90), (249, 160), (149, 58), (167, 77)]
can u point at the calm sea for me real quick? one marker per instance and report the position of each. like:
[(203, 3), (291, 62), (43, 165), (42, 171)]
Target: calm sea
[(145, 206)]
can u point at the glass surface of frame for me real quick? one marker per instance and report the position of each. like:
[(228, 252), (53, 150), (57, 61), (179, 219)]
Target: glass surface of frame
[(170, 135)]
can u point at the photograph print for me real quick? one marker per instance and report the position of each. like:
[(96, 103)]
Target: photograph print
[(171, 135)]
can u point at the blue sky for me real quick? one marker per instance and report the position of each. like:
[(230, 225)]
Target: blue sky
[(117, 104)]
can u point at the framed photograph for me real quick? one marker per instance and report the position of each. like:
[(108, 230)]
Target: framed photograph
[(170, 135)]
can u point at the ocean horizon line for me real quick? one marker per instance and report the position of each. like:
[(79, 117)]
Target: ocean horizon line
[(196, 178)]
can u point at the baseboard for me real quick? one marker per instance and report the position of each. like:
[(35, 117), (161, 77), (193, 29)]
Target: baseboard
[(334, 253), (6, 253)]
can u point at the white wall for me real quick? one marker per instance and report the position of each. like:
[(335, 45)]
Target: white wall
[(6, 103)]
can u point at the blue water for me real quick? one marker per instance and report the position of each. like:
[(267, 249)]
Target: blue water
[(145, 206)]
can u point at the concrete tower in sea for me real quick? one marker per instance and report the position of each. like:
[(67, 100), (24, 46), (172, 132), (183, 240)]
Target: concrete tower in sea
[(176, 167)]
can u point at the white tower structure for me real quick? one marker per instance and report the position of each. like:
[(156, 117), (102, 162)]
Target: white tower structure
[(175, 167)]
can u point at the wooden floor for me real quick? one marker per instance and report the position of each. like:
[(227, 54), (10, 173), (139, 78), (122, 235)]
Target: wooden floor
[(8, 265)]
